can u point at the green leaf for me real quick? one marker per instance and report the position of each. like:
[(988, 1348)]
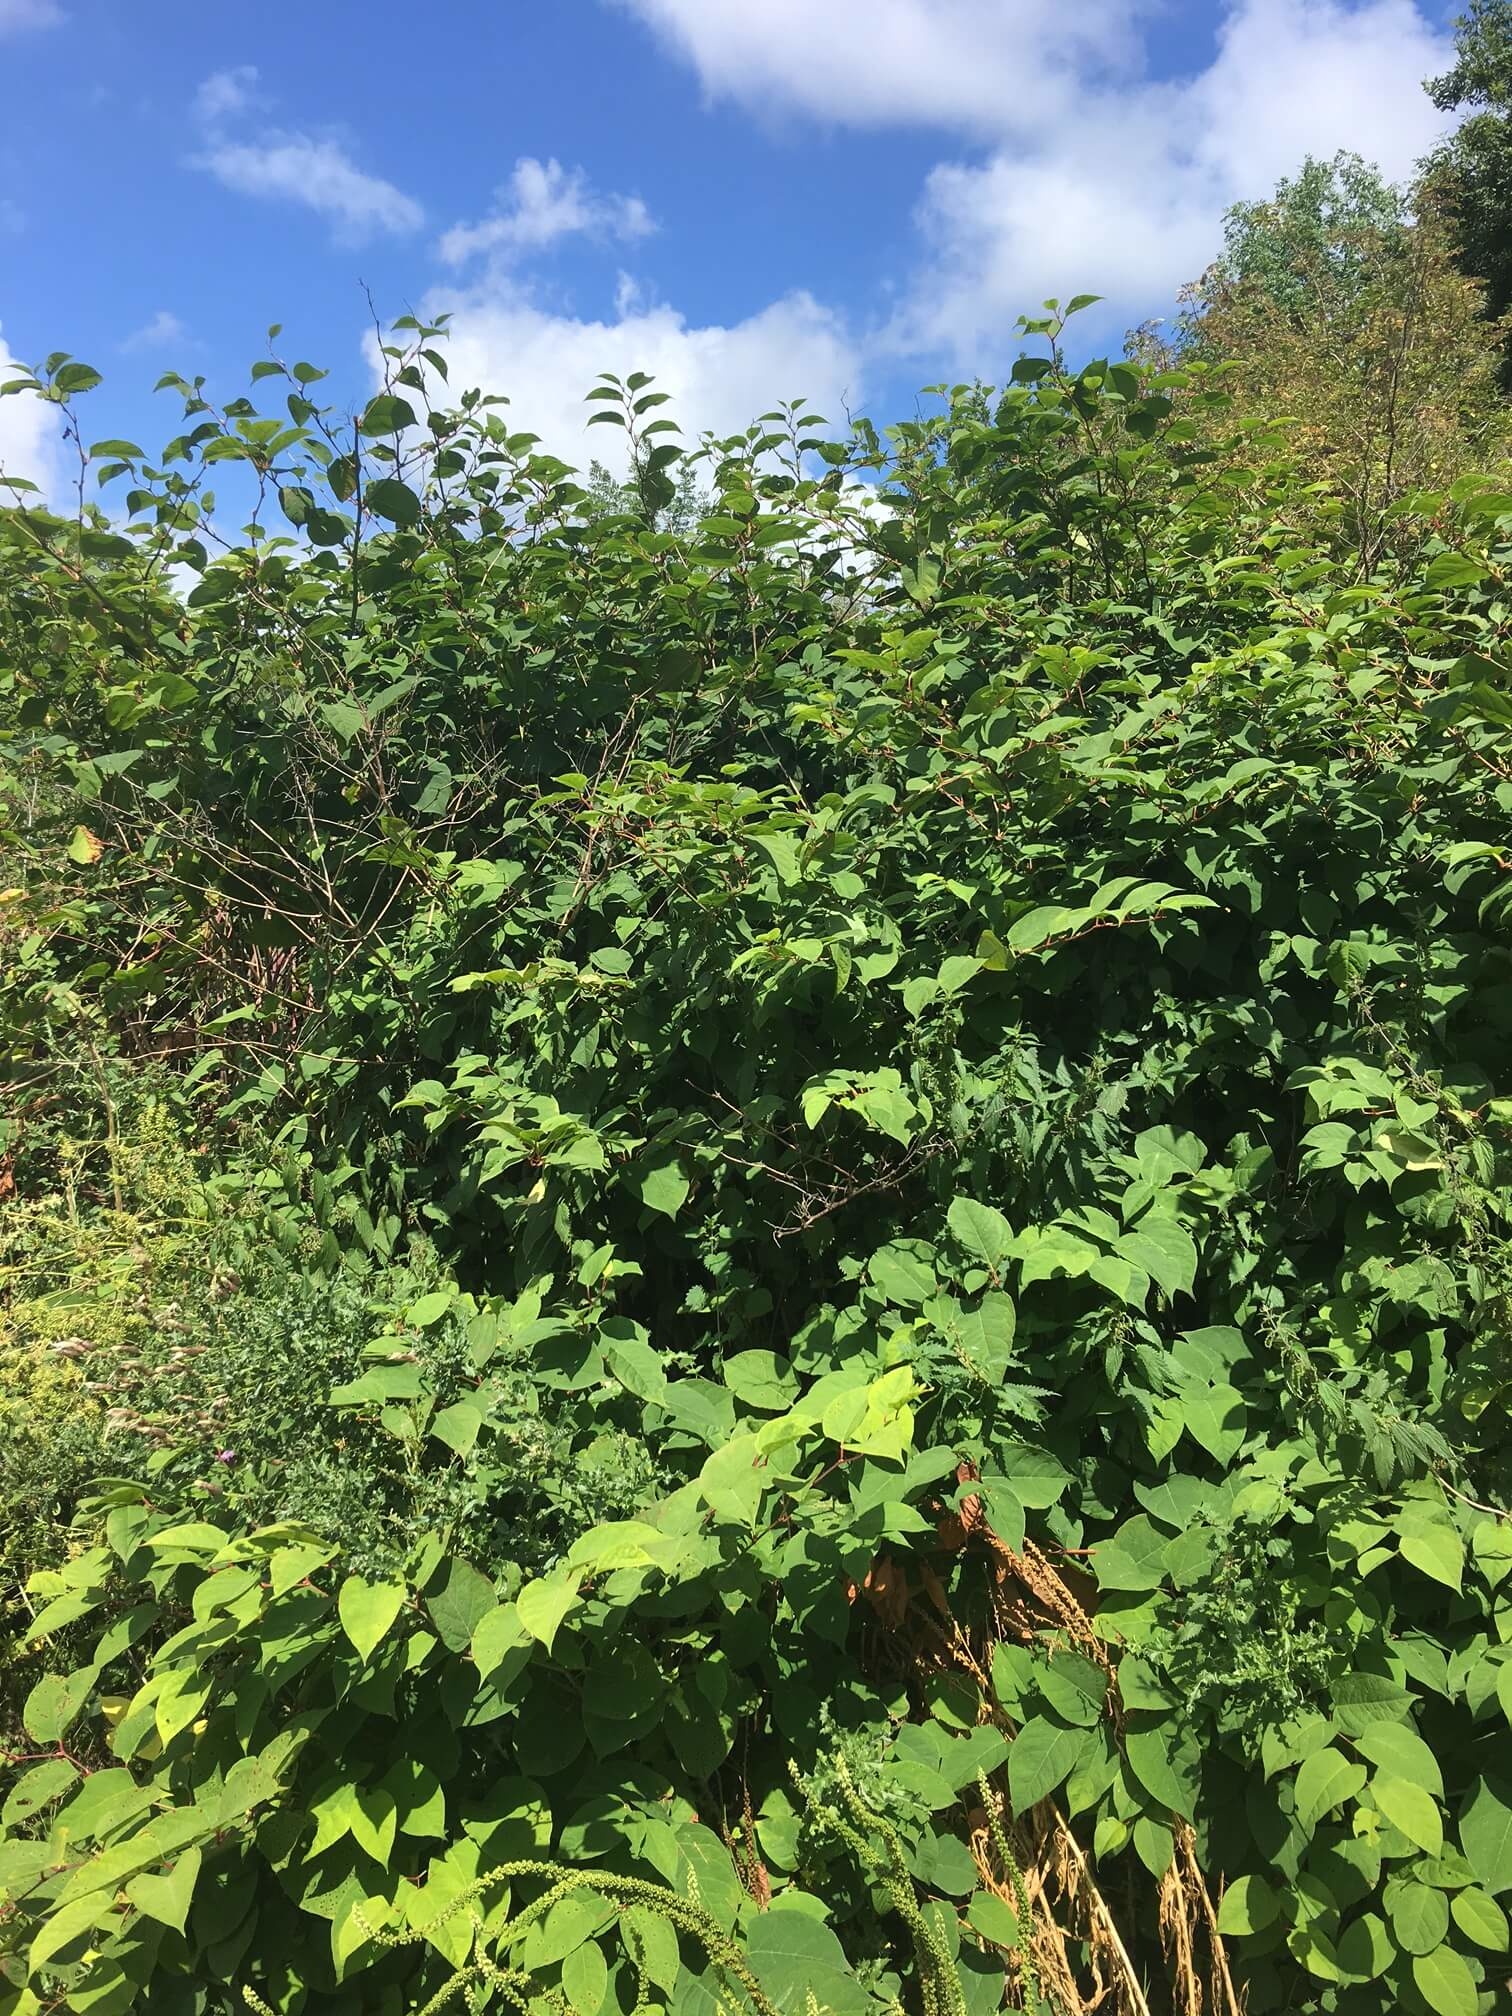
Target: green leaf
[(167, 1898), (1445, 1982), (1134, 1558), (1149, 1756), (37, 1788), (983, 1231), (1359, 1699), (74, 378), (1485, 1831), (1453, 570), (54, 1702), (1165, 1251), (368, 1610), (1325, 1780), (1365, 1948), (585, 1978), (1410, 1809), (387, 414), (663, 1184), (1438, 1551), (544, 1605), (1075, 1688), (1249, 1905), (1480, 1919), (573, 1919), (1419, 1916), (1216, 1417), (780, 848), (459, 1605), (66, 1932), (904, 1271), (496, 1635), (796, 1956), (1399, 1750), (458, 1426), (653, 1944), (393, 500), (1040, 1758), (995, 1919)]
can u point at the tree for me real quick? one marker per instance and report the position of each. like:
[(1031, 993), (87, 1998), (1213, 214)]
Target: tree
[(1328, 225), (1473, 168), (1339, 308), (608, 497)]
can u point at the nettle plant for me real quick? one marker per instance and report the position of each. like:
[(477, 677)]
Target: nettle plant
[(951, 1036)]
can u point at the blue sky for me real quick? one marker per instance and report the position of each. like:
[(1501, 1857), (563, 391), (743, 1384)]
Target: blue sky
[(752, 198)]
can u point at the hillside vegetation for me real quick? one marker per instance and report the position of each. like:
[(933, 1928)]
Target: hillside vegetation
[(760, 1263)]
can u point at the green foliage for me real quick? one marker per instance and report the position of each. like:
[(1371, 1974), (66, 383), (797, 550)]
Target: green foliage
[(1472, 169), (1322, 221), (1339, 321), (866, 1157)]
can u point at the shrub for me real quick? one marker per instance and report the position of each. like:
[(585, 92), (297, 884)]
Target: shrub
[(876, 1288)]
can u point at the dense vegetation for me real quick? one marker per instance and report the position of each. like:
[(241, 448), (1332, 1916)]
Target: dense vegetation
[(754, 1228)]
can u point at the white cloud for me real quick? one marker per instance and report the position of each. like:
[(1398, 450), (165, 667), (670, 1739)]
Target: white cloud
[(965, 65), (544, 201), (294, 167), (720, 377), (30, 444), (1097, 178), (17, 16), (320, 174), (225, 94), (1296, 77), (163, 331)]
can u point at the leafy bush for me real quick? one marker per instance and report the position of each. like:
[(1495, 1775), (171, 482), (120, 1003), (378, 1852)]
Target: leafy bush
[(875, 1311)]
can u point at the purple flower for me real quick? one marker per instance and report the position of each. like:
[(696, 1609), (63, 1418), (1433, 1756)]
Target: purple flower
[(225, 1455)]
